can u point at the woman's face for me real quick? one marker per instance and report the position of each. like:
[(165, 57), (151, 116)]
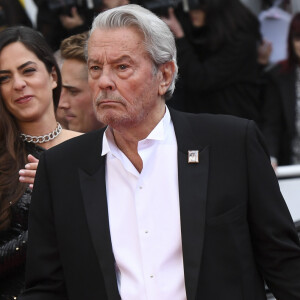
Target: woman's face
[(197, 17), (296, 44), (25, 84)]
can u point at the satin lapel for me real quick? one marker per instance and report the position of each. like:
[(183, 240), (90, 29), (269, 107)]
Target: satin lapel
[(94, 195), (193, 181)]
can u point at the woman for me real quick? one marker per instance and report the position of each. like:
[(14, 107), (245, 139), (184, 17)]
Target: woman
[(30, 85), (281, 110), (217, 44)]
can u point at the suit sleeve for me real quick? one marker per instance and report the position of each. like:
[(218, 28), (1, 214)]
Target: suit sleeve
[(44, 273), (275, 240)]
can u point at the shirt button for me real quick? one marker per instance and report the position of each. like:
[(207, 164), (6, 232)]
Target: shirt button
[(141, 187), (146, 231), (151, 276)]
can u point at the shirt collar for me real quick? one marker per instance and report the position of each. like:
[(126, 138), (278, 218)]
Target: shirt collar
[(158, 133)]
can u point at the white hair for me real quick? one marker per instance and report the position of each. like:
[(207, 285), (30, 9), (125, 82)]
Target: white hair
[(158, 38)]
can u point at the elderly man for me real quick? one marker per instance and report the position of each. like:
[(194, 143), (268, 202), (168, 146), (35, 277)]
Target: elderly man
[(160, 205)]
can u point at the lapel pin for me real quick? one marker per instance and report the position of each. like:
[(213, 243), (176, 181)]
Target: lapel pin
[(193, 156)]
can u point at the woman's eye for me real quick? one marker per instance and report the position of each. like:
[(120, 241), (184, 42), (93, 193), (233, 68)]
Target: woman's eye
[(3, 79), (29, 70)]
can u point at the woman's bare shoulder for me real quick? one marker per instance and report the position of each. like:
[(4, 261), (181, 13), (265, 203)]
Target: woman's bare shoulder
[(68, 134)]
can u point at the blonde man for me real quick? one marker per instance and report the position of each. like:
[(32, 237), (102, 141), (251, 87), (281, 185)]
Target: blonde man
[(76, 98)]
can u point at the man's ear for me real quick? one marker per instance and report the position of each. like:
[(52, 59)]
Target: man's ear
[(53, 75), (167, 71)]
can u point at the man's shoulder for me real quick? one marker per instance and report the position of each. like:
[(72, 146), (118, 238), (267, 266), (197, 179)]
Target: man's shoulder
[(210, 128), (210, 121)]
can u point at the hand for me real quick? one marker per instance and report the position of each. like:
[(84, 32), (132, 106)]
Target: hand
[(27, 175), (274, 163), (173, 24), (71, 22)]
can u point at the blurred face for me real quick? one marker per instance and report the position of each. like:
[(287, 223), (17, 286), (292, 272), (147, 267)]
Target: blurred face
[(197, 17), (296, 43), (113, 3), (76, 97), (126, 92), (25, 84)]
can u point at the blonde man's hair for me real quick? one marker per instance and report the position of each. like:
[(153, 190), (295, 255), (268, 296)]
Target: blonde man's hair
[(73, 47)]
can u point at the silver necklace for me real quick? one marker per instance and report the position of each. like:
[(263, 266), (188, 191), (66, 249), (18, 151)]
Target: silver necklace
[(42, 138)]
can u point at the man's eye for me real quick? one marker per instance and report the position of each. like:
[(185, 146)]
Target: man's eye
[(94, 68), (123, 67), (73, 93)]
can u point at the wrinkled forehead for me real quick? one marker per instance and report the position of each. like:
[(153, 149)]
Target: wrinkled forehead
[(115, 42)]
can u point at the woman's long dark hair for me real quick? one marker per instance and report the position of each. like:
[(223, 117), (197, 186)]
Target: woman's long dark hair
[(223, 18), (12, 150), (294, 33)]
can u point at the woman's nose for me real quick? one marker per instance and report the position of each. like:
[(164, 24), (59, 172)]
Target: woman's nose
[(19, 83)]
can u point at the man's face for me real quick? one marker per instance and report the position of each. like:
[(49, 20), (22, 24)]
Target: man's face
[(198, 17), (296, 43), (113, 3), (126, 90), (76, 97)]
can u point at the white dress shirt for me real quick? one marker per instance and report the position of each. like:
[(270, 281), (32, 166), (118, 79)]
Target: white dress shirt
[(144, 216)]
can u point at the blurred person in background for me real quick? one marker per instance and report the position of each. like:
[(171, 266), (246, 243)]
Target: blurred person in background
[(217, 44), (59, 19), (281, 109), (76, 98), (13, 13), (108, 4), (30, 85)]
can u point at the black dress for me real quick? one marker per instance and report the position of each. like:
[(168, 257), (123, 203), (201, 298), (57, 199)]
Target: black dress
[(13, 242)]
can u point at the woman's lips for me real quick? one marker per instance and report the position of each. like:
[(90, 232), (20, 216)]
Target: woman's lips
[(24, 99)]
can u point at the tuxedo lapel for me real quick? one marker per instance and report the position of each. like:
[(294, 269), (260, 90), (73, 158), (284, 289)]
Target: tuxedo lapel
[(193, 180), (93, 188)]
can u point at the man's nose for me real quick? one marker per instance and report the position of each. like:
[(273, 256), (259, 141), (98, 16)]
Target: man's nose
[(64, 102), (106, 80)]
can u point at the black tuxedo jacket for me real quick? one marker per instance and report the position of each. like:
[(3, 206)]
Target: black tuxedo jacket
[(236, 228)]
